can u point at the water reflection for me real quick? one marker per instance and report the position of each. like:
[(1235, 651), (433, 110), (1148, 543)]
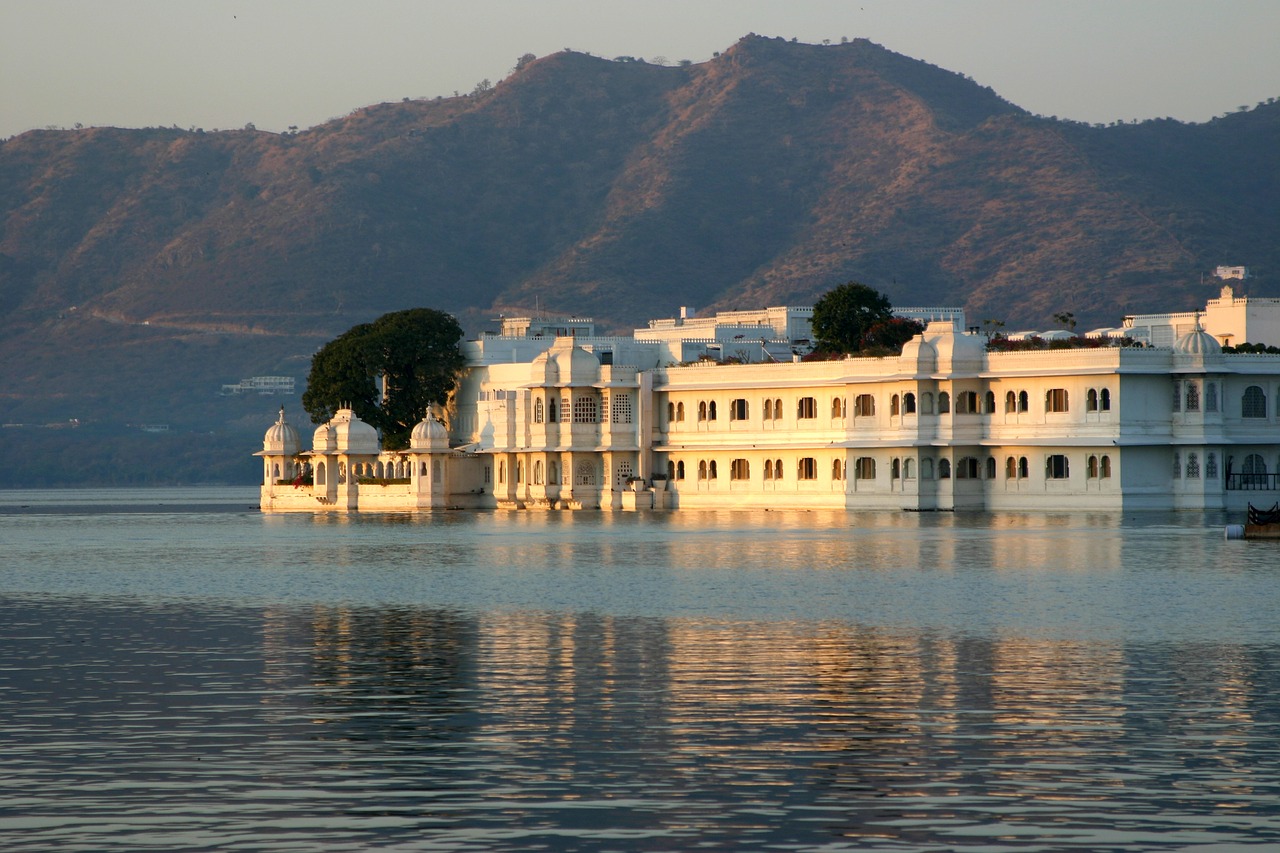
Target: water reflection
[(735, 681), (401, 725)]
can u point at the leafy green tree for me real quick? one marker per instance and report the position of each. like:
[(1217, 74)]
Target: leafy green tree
[(416, 355), (843, 316)]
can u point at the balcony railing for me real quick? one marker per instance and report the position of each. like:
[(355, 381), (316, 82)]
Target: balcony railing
[(1253, 482)]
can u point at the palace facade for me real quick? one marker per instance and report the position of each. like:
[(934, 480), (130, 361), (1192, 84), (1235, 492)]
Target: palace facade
[(726, 415)]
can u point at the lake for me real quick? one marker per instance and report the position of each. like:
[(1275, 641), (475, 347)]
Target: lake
[(181, 672)]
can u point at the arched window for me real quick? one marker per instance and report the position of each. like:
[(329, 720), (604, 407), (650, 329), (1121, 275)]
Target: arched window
[(711, 410), (679, 412), (837, 469), (1024, 401), (1211, 397), (837, 408), (1177, 396), (967, 468), (909, 403), (777, 467), (1254, 471), (553, 473), (1010, 468), (702, 410), (864, 406), (1024, 468), (711, 469), (739, 410), (944, 469), (1010, 402), (991, 467), (1210, 466), (989, 403), (1104, 400), (894, 406), (502, 472), (807, 468), (551, 410), (702, 469), (1193, 466), (926, 403), (926, 468), (777, 409), (1193, 397), (671, 412), (740, 469), (1254, 404), (1055, 400), (967, 403), (320, 474), (1091, 400), (671, 470), (768, 410), (537, 472), (806, 407), (680, 470), (584, 473), (864, 468), (539, 411), (768, 469), (895, 469), (909, 468), (1091, 471), (1106, 466), (944, 403)]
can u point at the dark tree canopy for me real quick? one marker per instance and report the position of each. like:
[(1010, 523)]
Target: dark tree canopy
[(842, 317), (889, 336), (415, 352)]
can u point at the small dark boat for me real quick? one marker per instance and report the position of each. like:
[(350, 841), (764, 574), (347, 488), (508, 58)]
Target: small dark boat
[(1260, 524)]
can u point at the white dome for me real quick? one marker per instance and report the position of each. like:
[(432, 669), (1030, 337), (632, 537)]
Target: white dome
[(920, 354), (324, 439), (573, 364), (1197, 342), (429, 434), (281, 438), (353, 435)]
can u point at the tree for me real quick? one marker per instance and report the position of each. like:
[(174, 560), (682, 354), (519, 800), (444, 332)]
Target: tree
[(889, 336), (843, 316), (416, 355)]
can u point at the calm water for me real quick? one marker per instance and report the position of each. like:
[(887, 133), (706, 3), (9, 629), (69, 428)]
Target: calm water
[(180, 672)]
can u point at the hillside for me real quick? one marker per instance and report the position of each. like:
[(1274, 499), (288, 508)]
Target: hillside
[(142, 269)]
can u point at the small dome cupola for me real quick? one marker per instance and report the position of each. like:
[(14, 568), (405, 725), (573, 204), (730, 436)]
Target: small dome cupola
[(281, 439), (353, 435), (1197, 342), (429, 434)]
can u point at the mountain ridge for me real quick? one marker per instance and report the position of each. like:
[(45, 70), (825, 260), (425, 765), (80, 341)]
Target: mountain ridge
[(141, 268)]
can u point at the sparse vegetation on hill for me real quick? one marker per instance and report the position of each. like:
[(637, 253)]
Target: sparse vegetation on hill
[(139, 269)]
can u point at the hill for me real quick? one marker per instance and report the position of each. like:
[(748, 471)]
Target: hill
[(142, 269)]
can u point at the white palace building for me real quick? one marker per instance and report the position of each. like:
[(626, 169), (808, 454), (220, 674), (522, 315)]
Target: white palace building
[(720, 412)]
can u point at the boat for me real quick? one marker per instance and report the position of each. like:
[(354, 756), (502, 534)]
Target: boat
[(1260, 524)]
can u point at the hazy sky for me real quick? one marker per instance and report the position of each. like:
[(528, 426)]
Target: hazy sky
[(276, 63)]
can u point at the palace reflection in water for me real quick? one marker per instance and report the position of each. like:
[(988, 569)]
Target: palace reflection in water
[(870, 733), (729, 681)]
